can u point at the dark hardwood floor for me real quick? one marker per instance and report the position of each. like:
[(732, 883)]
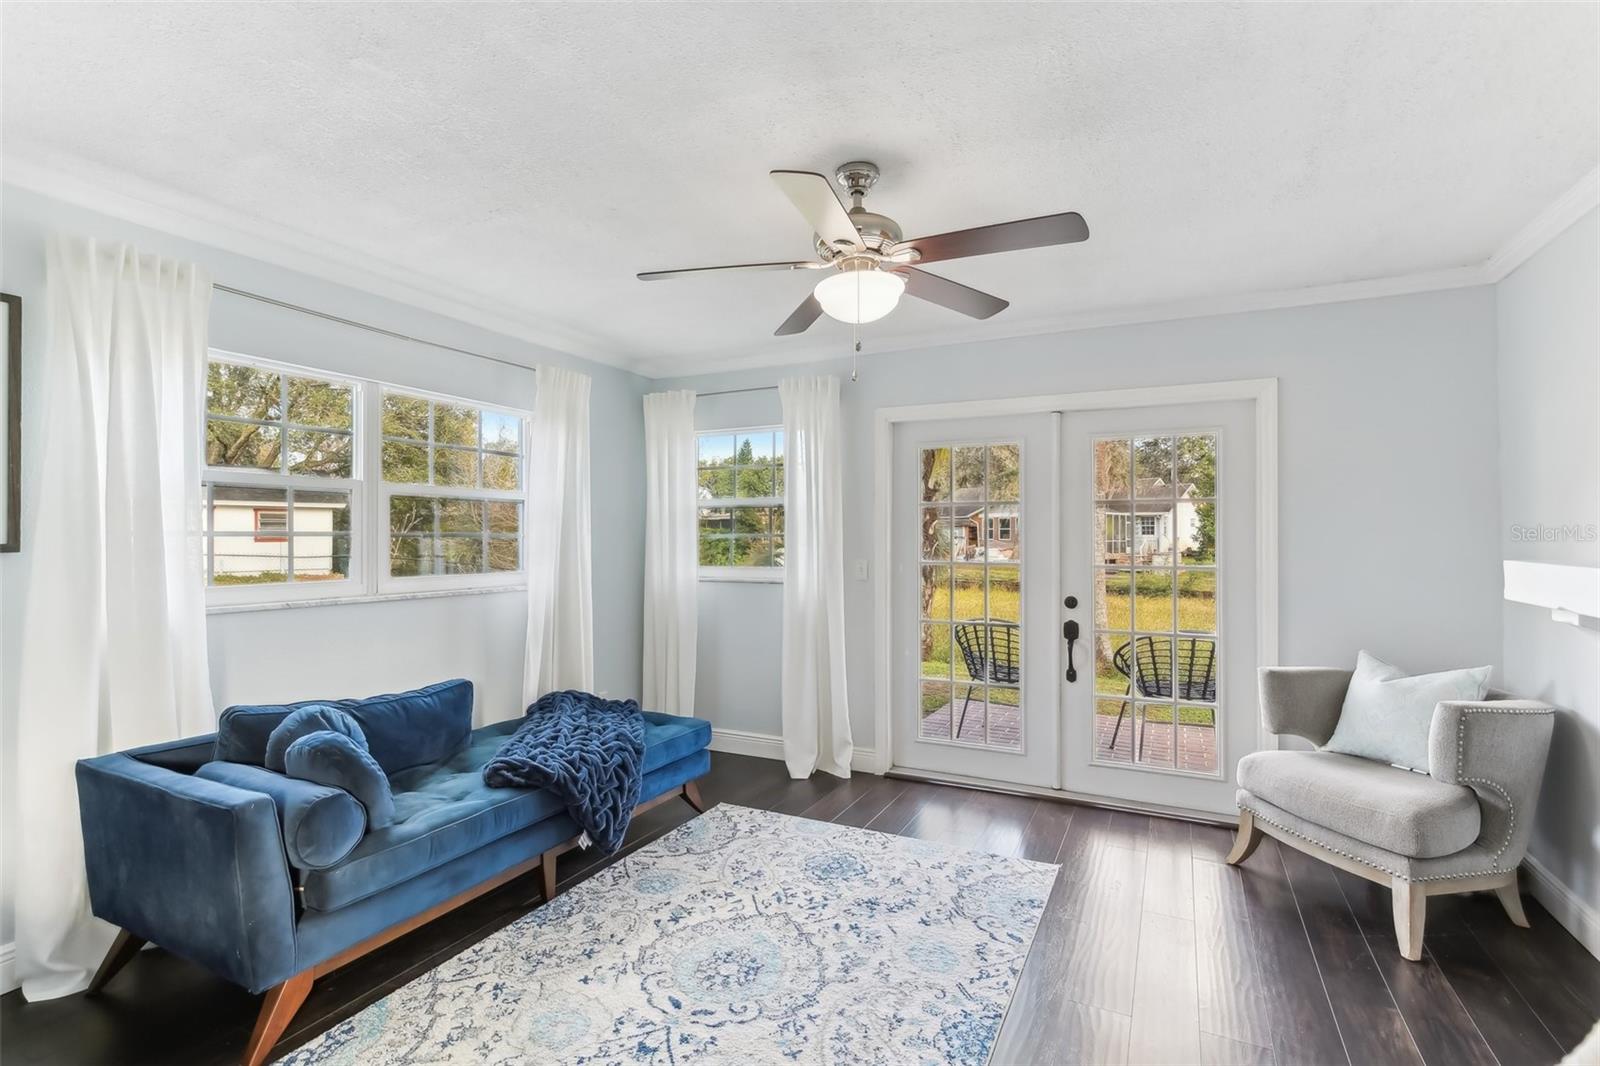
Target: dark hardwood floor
[(1150, 950)]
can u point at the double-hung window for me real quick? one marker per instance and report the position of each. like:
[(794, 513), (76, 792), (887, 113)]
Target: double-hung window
[(281, 491), (319, 486), (740, 504), (452, 491)]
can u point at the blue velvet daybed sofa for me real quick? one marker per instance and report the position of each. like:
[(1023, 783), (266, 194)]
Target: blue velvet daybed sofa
[(271, 882)]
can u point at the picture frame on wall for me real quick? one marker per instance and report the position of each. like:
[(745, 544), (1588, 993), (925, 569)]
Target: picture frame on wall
[(11, 436)]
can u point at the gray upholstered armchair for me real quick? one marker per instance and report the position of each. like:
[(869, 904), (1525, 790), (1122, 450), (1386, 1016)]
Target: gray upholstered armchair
[(1461, 828)]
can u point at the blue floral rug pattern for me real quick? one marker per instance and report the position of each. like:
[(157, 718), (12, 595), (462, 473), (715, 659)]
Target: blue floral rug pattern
[(742, 936)]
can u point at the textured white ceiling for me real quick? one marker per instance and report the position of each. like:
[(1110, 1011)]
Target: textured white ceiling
[(537, 156)]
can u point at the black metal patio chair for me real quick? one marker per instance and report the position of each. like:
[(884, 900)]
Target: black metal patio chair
[(1152, 670), (991, 652)]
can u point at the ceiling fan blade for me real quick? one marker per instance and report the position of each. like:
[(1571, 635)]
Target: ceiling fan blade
[(657, 275), (1067, 228), (808, 312), (951, 294), (813, 195)]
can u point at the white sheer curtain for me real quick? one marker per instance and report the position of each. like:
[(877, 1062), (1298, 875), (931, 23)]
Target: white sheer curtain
[(114, 623), (671, 555), (816, 709), (555, 539)]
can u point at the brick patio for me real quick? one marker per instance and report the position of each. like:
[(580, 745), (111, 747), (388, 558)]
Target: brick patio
[(1197, 745)]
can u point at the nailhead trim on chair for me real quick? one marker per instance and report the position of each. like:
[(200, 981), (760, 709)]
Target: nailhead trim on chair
[(1368, 862), (1461, 758)]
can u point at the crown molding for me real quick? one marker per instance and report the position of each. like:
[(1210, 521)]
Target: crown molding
[(155, 207), (147, 204), (1545, 227)]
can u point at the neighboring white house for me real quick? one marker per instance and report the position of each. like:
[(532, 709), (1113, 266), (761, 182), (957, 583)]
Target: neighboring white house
[(253, 535), (1150, 525)]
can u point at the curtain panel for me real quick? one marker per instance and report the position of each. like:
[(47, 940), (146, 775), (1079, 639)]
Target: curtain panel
[(671, 555), (816, 709), (114, 624), (560, 648)]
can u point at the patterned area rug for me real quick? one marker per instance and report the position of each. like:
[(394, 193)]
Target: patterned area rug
[(742, 936)]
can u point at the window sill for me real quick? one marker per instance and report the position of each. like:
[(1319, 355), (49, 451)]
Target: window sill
[(340, 601), (770, 575)]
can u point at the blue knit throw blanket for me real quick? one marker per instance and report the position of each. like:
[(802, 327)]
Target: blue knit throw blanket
[(588, 750)]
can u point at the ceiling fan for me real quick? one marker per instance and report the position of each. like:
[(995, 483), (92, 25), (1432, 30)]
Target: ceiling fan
[(870, 264)]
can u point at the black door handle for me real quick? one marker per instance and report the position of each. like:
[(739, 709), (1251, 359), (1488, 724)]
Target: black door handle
[(1069, 630)]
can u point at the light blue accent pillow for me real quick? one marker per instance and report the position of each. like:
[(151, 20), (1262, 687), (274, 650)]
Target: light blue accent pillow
[(314, 718), (1387, 715), (341, 761)]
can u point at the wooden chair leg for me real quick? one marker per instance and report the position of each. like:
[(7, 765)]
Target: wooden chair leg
[(1410, 914), (123, 949), (1248, 839), (277, 1011), (691, 796), (1511, 900), (547, 870)]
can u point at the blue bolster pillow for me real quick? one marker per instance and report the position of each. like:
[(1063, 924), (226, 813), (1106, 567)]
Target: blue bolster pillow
[(320, 825), (315, 718), (339, 761)]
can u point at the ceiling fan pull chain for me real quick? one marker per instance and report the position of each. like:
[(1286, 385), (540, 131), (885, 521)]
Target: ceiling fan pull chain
[(855, 334)]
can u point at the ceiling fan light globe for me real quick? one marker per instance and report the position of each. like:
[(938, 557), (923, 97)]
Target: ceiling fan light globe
[(859, 296)]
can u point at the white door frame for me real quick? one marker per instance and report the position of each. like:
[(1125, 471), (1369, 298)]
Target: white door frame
[(1264, 393)]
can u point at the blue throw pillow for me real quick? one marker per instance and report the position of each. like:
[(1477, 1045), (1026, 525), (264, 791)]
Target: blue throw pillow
[(317, 718), (403, 729), (341, 761)]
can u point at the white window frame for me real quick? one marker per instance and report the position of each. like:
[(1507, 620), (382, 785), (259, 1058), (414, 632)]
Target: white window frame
[(770, 575), (369, 503), (391, 585)]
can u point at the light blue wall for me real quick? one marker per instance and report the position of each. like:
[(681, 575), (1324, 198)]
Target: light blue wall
[(1549, 358), (1388, 512), (374, 647)]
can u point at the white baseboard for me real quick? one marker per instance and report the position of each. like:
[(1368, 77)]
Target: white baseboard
[(8, 966), (769, 746), (1565, 906)]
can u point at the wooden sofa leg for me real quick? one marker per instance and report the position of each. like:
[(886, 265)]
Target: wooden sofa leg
[(277, 1010), (1249, 838), (691, 795), (547, 870), (1410, 914), (123, 949), (1511, 900)]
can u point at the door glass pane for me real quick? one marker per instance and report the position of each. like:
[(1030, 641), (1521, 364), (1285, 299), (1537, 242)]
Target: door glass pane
[(1197, 601), (1111, 469), (1005, 472), (1153, 743), (936, 533), (1155, 585), (1196, 465), (935, 649), (935, 697), (1005, 594), (1197, 532), (935, 475), (936, 592), (971, 594), (1113, 730), (968, 468), (1152, 467)]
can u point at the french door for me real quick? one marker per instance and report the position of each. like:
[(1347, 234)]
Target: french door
[(1159, 563), (1074, 600), (975, 568)]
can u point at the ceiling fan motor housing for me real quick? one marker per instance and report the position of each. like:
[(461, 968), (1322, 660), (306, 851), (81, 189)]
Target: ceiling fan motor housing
[(878, 232)]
